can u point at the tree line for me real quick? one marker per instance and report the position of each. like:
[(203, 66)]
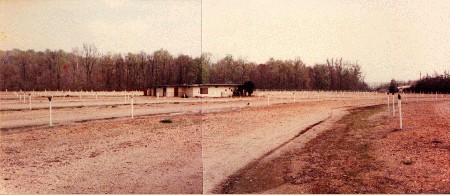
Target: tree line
[(87, 69), (335, 74), (437, 83)]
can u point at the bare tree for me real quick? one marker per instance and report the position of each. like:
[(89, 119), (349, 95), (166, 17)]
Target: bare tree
[(89, 54)]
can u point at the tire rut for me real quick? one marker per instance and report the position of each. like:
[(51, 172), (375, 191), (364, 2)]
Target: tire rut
[(226, 186)]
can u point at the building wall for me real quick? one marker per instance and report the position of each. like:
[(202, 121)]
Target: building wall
[(189, 91), (159, 91), (194, 91), (170, 91), (219, 91)]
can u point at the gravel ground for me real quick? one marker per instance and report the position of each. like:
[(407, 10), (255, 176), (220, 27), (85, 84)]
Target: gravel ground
[(209, 141), (113, 156), (364, 152)]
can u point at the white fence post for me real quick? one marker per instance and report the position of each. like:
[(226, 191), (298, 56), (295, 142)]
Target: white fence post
[(400, 110), (268, 97), (201, 104), (132, 107)]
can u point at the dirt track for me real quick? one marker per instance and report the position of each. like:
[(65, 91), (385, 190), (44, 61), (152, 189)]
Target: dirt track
[(363, 153), (195, 154), (229, 143)]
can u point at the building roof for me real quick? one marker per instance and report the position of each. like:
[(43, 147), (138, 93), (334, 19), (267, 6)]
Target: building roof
[(404, 87), (199, 85)]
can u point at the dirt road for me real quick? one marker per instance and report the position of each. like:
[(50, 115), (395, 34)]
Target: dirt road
[(191, 155), (235, 140), (197, 153), (364, 152)]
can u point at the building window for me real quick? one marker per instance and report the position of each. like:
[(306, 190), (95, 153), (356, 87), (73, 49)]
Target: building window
[(203, 90)]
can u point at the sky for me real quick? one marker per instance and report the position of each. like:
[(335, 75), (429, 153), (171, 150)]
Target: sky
[(387, 38)]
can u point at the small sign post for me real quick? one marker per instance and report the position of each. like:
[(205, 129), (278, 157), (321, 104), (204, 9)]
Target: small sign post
[(50, 100), (294, 97), (400, 110), (388, 102), (29, 98), (393, 105)]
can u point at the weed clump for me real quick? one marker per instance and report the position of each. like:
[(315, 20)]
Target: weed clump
[(166, 121), (407, 162)]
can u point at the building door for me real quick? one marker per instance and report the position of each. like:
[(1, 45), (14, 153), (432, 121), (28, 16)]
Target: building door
[(175, 92), (164, 91)]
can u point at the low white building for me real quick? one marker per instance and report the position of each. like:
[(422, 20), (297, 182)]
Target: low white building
[(402, 89), (194, 90)]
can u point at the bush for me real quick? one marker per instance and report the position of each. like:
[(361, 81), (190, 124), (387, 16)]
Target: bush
[(166, 121)]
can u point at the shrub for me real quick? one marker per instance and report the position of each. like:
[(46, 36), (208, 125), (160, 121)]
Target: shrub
[(166, 121)]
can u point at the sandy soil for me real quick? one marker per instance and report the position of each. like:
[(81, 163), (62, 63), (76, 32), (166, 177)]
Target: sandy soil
[(235, 140), (114, 156), (16, 114), (67, 113), (364, 152), (198, 153)]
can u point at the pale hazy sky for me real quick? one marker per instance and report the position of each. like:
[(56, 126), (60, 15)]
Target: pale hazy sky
[(389, 39)]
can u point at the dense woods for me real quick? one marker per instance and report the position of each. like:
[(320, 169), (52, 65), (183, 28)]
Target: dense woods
[(437, 83), (87, 69)]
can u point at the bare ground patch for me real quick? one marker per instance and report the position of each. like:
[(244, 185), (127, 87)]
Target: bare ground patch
[(107, 156), (363, 153)]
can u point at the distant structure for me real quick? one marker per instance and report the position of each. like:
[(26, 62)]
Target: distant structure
[(403, 89), (193, 90)]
